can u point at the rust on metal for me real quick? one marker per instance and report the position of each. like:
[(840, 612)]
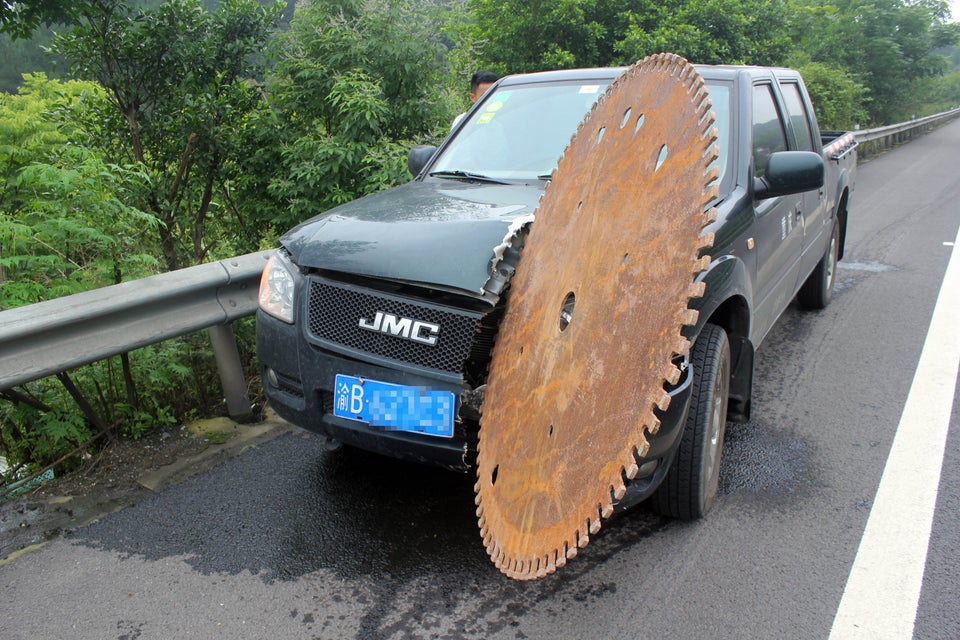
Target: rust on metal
[(594, 317)]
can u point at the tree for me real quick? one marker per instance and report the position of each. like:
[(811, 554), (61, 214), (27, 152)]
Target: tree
[(64, 224), (888, 45), (20, 18), (65, 227), (838, 98), (519, 36), (710, 32), (356, 84), (180, 80)]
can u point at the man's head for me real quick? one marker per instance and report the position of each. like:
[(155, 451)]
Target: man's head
[(480, 82)]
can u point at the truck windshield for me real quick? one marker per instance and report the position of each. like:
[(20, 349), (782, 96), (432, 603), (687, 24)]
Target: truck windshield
[(520, 131)]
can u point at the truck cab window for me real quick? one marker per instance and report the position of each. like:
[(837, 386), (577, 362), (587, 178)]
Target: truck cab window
[(798, 116), (768, 133)]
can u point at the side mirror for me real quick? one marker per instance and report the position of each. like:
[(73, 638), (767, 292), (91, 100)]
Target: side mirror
[(418, 158), (790, 172)]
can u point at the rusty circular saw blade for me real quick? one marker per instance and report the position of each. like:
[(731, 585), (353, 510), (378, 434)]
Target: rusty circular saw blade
[(594, 317)]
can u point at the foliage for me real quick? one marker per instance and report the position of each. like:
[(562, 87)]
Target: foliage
[(838, 98), (64, 226), (710, 32), (882, 45), (21, 18), (946, 94), (42, 424), (885, 44), (179, 79), (27, 56), (522, 36), (355, 85), (518, 36)]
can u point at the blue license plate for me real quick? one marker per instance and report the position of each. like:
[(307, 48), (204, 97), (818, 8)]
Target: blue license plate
[(395, 407)]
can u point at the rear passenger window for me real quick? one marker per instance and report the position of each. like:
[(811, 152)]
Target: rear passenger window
[(798, 116), (768, 133)]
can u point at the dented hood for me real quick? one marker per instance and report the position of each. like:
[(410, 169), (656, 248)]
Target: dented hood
[(438, 232)]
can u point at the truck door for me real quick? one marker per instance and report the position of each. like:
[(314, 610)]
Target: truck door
[(814, 211), (779, 222)]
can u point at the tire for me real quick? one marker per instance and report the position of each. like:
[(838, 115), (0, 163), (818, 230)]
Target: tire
[(691, 483), (817, 291)]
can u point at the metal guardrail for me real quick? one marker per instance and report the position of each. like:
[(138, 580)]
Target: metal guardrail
[(872, 141), (53, 336), (56, 335)]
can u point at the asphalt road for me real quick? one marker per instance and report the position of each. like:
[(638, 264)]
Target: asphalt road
[(289, 540)]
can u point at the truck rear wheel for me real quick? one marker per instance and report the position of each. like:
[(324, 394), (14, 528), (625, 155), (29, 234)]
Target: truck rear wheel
[(817, 291), (690, 486)]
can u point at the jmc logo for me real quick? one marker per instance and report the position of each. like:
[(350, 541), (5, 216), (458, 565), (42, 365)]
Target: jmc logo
[(400, 327)]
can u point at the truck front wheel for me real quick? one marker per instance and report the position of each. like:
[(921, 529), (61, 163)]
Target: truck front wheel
[(690, 486)]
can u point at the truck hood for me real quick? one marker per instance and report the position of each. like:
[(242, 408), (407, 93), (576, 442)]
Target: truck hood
[(438, 232)]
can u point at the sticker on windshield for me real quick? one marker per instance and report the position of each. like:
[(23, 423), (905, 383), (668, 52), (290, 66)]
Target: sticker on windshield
[(495, 106), (486, 117), (590, 88)]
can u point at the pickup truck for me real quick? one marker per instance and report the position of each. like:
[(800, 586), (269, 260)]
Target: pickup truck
[(377, 318)]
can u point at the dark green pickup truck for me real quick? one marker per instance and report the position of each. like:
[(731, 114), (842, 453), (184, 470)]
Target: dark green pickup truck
[(377, 318)]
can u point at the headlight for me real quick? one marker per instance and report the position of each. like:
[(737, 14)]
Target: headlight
[(277, 288)]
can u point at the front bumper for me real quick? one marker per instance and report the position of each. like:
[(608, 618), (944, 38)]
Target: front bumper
[(298, 379)]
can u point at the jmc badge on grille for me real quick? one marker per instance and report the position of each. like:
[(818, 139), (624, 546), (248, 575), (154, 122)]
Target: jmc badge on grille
[(406, 328), (394, 407)]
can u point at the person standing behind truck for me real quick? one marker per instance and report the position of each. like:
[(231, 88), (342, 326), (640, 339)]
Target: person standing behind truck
[(480, 81)]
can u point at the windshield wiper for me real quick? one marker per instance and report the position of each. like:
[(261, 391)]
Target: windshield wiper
[(465, 175)]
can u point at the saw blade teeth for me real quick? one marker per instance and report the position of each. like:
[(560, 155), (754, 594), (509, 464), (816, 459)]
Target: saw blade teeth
[(710, 156), (690, 317), (670, 373), (700, 265), (620, 490), (697, 289), (710, 196), (583, 538), (682, 346), (696, 88), (663, 402), (712, 175), (713, 193), (606, 512), (708, 131), (630, 468), (709, 216), (710, 136), (642, 446), (653, 428), (593, 524), (704, 108), (541, 570)]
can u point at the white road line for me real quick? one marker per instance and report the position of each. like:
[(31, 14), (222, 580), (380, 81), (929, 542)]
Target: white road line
[(883, 591)]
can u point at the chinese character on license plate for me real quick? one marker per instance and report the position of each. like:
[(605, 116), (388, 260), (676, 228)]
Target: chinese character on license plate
[(395, 407)]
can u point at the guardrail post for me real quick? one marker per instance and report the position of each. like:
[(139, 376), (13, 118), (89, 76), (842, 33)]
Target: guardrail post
[(231, 371)]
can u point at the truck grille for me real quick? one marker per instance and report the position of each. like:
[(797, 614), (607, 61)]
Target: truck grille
[(335, 311)]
